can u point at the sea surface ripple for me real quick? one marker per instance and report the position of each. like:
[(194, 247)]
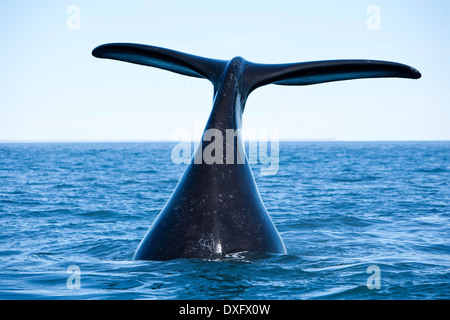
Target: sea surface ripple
[(340, 207)]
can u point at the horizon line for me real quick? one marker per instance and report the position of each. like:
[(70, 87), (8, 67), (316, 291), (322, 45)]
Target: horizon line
[(6, 141)]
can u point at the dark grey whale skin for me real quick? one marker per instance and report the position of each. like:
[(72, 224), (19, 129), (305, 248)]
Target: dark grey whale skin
[(216, 209)]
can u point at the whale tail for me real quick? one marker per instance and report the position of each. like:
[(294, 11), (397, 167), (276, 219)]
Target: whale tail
[(216, 208), (304, 73)]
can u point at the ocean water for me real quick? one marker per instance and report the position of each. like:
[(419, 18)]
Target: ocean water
[(360, 220)]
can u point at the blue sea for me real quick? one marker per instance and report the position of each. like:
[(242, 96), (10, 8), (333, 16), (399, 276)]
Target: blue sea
[(360, 220)]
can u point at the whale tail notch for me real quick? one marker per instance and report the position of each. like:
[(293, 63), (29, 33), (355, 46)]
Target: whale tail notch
[(257, 74)]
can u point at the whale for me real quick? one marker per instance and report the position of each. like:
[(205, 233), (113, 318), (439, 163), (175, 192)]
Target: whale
[(216, 209)]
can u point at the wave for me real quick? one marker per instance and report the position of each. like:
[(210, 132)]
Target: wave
[(339, 208)]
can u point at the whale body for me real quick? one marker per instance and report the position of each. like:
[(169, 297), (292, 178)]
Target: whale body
[(216, 208)]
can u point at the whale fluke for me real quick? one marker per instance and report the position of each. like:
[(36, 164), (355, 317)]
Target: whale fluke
[(307, 73), (216, 208), (175, 61), (303, 73)]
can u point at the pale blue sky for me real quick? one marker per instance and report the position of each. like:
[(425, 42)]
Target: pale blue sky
[(52, 89)]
